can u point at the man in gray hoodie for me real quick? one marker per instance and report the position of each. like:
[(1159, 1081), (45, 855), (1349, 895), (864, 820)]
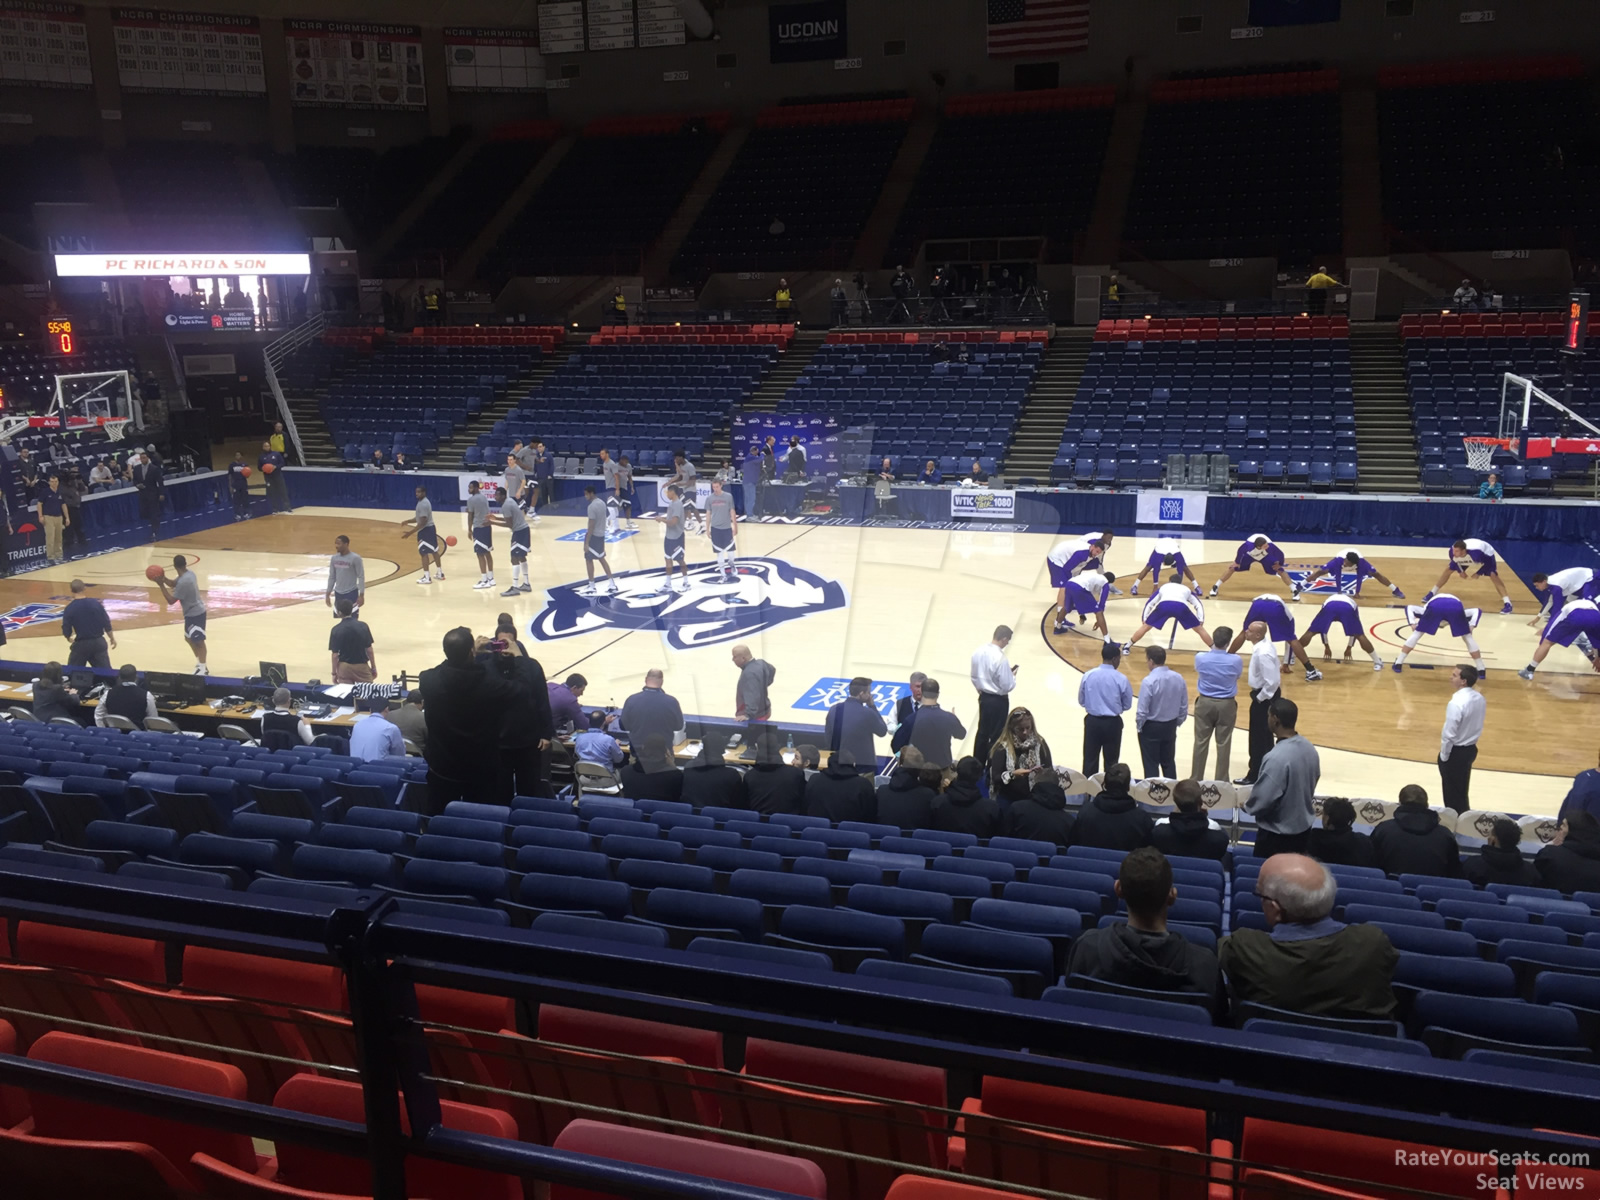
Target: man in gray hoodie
[(1280, 800), (755, 675)]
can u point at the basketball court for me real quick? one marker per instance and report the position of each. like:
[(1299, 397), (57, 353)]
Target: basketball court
[(825, 602)]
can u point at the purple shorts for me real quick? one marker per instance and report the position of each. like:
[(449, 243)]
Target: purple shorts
[(1059, 573), (1280, 624), (1270, 565), (1156, 565), (1346, 616), (1488, 566), (1578, 621), (1081, 602), (1170, 610), (1441, 611)]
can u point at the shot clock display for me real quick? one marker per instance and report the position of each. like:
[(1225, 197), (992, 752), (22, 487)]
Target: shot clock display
[(60, 335)]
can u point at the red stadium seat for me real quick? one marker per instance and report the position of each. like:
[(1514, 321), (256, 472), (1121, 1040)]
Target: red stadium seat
[(1365, 1165), (917, 1187), (732, 1164)]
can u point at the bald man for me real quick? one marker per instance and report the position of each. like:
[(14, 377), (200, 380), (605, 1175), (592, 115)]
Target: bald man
[(651, 710), (1305, 961), (752, 702)]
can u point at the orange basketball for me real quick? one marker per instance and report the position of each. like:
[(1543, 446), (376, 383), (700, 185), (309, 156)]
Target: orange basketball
[(153, 572), (267, 467), (245, 471), (449, 541)]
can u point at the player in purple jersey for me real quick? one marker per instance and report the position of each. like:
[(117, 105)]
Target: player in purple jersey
[(1442, 611), (1165, 555), (1086, 594), (1272, 612), (1578, 622), (1172, 601), (1258, 551), (1464, 556), (1338, 610), (1352, 563)]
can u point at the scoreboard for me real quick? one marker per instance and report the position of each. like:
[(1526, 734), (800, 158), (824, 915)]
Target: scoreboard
[(60, 335)]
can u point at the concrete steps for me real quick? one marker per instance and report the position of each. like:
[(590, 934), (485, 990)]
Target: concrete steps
[(1386, 438), (769, 397), (1049, 404)]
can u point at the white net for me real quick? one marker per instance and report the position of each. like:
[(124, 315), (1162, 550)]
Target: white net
[(1480, 452)]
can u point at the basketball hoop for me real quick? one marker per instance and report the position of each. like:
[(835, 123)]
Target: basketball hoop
[(1480, 450), (116, 427)]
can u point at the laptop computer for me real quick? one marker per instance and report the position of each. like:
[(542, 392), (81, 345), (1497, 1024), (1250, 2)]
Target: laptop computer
[(191, 690), (164, 687), (276, 674)]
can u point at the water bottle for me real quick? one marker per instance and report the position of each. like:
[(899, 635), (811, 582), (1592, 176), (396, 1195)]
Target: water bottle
[(789, 745)]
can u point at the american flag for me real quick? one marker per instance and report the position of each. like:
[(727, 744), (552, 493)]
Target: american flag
[(1035, 28)]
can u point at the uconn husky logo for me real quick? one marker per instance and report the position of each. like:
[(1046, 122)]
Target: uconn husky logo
[(764, 592)]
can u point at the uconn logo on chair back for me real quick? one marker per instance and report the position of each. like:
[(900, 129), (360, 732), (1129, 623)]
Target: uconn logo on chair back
[(764, 593)]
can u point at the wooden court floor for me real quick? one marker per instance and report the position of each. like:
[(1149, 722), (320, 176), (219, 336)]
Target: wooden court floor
[(823, 603)]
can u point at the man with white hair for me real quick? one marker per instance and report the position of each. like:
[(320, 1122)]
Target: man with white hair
[(1305, 961)]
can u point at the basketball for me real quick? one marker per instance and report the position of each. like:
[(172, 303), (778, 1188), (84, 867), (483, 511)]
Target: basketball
[(267, 467), (449, 541), (245, 472), (154, 572)]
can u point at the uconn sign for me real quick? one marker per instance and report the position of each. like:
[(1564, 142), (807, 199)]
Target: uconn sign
[(807, 32)]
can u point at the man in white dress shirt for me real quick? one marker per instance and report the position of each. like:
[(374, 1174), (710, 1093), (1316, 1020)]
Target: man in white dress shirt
[(1265, 681), (993, 678), (1458, 743)]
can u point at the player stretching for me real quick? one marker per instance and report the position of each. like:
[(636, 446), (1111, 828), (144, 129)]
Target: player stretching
[(1442, 610), (672, 541), (1167, 556), (482, 534), (1086, 595), (594, 544), (1352, 563), (1067, 558), (1575, 583), (722, 522), (1258, 551), (1462, 556), (1272, 612), (429, 547), (1577, 619), (1340, 609), (514, 519), (1171, 601)]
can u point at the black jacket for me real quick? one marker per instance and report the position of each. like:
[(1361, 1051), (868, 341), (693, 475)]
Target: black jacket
[(1018, 787), (775, 788), (905, 802), (712, 784), (526, 720), (1573, 866), (1040, 816), (1113, 821), (50, 700), (841, 794), (1414, 843), (960, 809), (466, 708), (1190, 834), (1164, 962), (1496, 864), (1344, 847), (639, 784)]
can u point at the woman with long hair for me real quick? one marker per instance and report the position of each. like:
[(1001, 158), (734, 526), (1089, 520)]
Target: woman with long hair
[(1019, 756)]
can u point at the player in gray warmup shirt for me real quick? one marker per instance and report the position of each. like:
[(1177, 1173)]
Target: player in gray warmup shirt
[(184, 591), (516, 481), (683, 475), (723, 524), (428, 544), (481, 533), (347, 576), (513, 518), (672, 543), (594, 546)]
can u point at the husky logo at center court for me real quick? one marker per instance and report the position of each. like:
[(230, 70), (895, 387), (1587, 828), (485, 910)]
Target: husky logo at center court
[(765, 592)]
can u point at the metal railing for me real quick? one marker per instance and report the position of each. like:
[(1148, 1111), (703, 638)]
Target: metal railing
[(275, 354)]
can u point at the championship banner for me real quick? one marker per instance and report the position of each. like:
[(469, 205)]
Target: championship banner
[(1171, 508), (355, 64), (210, 54), (493, 60), (44, 44), (983, 504)]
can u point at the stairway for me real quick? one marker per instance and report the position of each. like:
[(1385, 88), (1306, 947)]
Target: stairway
[(1386, 440), (1044, 416), (769, 397), (448, 456)]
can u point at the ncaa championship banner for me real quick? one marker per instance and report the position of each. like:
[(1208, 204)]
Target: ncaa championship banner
[(1171, 508), (983, 504)]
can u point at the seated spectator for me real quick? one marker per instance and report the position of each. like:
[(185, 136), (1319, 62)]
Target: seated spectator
[(1501, 860), (652, 775), (1337, 841), (1465, 296), (772, 785), (100, 476), (708, 780), (1113, 820), (375, 736), (594, 745), (1491, 488), (1413, 842), (907, 798), (1306, 961), (1189, 831), (126, 698), (808, 758), (280, 727), (412, 721), (1571, 863), (840, 792), (929, 473), (961, 808), (52, 698), (1143, 953), (1041, 815), (1020, 757), (1584, 795)]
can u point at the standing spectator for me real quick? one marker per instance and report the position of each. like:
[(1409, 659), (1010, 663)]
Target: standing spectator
[(1458, 741), (1216, 704), (1280, 801), (1019, 760), (1105, 694), (783, 299), (1337, 842), (87, 628), (1571, 863), (375, 736), (962, 808), (651, 710), (933, 729), (772, 785), (148, 479), (1189, 832), (1465, 297), (840, 792), (839, 303), (238, 486), (617, 310), (1490, 488), (466, 703), (276, 439), (412, 721), (853, 723), (1317, 290), (752, 702), (595, 745), (906, 799), (904, 707), (127, 698), (72, 497), (708, 780), (1413, 842), (1112, 819), (350, 645), (794, 464), (271, 463), (1163, 706), (526, 729), (1501, 860), (1040, 815), (1584, 795), (52, 698), (1265, 681), (993, 678), (51, 509)]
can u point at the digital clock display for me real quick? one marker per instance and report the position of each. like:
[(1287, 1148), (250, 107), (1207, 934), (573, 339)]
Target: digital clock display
[(60, 333)]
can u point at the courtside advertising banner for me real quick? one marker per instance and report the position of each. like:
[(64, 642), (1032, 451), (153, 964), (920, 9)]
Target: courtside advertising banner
[(1171, 508), (983, 504)]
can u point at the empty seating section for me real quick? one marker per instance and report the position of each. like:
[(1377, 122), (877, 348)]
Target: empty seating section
[(799, 190), (1244, 165), (190, 190), (914, 401), (28, 374), (1455, 368), (608, 199), (473, 196), (1471, 160), (45, 170), (1020, 164), (1272, 394), (639, 392), (371, 187)]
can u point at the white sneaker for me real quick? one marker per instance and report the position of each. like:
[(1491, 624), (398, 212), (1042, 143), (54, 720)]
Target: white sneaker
[(612, 589), (438, 574), (1312, 675), (1377, 664), (684, 586), (480, 585), (1212, 594), (534, 519), (1134, 590), (424, 578), (201, 669), (588, 590)]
